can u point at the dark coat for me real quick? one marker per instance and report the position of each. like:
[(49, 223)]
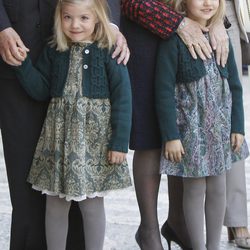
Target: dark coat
[(161, 20), (145, 133)]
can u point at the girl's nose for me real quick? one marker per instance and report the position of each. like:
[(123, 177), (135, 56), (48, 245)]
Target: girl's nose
[(207, 2), (75, 23)]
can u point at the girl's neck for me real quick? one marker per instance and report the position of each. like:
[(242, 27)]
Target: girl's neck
[(204, 23)]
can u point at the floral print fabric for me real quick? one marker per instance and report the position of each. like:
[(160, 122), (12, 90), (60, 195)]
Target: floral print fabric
[(204, 122), (71, 155)]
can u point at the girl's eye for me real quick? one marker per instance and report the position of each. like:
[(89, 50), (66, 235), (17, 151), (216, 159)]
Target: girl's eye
[(66, 17), (84, 18)]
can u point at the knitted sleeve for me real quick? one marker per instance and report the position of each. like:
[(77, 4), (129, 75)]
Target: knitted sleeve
[(36, 80), (121, 105), (155, 16), (237, 117), (165, 81)]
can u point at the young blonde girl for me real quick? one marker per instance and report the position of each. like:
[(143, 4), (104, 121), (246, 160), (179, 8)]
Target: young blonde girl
[(200, 112), (82, 147)]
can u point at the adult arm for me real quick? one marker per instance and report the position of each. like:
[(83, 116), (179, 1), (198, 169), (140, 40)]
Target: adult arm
[(121, 51), (4, 19), (163, 21), (10, 41)]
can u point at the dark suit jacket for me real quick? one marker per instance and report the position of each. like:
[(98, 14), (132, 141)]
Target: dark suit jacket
[(33, 21)]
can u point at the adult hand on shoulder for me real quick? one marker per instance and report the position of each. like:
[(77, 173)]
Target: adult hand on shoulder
[(174, 150), (121, 52), (10, 44), (236, 141), (219, 42), (115, 157), (191, 34)]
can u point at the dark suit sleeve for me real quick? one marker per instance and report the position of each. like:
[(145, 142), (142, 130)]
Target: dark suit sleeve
[(4, 19), (115, 10)]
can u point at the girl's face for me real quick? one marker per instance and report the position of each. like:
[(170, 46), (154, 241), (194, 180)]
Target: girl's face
[(201, 10), (78, 22)]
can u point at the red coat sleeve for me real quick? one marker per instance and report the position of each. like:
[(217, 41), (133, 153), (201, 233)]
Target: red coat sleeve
[(155, 16)]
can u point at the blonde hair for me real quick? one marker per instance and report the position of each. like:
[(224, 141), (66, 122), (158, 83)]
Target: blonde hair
[(103, 34), (180, 7)]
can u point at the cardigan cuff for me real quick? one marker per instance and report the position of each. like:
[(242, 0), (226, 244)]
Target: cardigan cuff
[(118, 148)]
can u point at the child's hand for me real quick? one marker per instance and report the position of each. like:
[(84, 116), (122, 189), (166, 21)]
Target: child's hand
[(116, 157), (236, 141), (174, 150)]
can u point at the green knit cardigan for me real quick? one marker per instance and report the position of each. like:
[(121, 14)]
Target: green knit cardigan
[(174, 66), (103, 78)]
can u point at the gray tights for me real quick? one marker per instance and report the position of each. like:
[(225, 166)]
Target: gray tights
[(56, 222), (212, 189)]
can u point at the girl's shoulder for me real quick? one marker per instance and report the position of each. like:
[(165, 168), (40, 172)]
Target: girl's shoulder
[(174, 46)]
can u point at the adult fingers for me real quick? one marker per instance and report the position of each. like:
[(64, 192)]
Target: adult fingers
[(10, 59), (224, 52)]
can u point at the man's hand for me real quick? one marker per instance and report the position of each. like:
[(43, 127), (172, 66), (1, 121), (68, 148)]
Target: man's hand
[(191, 34), (219, 42), (121, 52), (10, 45), (236, 141), (116, 157), (174, 150)]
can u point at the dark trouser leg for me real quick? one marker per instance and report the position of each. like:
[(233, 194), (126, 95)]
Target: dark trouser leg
[(75, 239), (21, 119)]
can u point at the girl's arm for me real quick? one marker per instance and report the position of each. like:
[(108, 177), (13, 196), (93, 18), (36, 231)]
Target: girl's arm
[(36, 80), (237, 117), (165, 81), (121, 105)]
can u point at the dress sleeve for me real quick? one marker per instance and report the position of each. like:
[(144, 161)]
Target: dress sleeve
[(155, 16), (4, 19)]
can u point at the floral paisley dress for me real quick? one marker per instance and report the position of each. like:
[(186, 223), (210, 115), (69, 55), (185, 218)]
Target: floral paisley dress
[(71, 154), (204, 122)]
